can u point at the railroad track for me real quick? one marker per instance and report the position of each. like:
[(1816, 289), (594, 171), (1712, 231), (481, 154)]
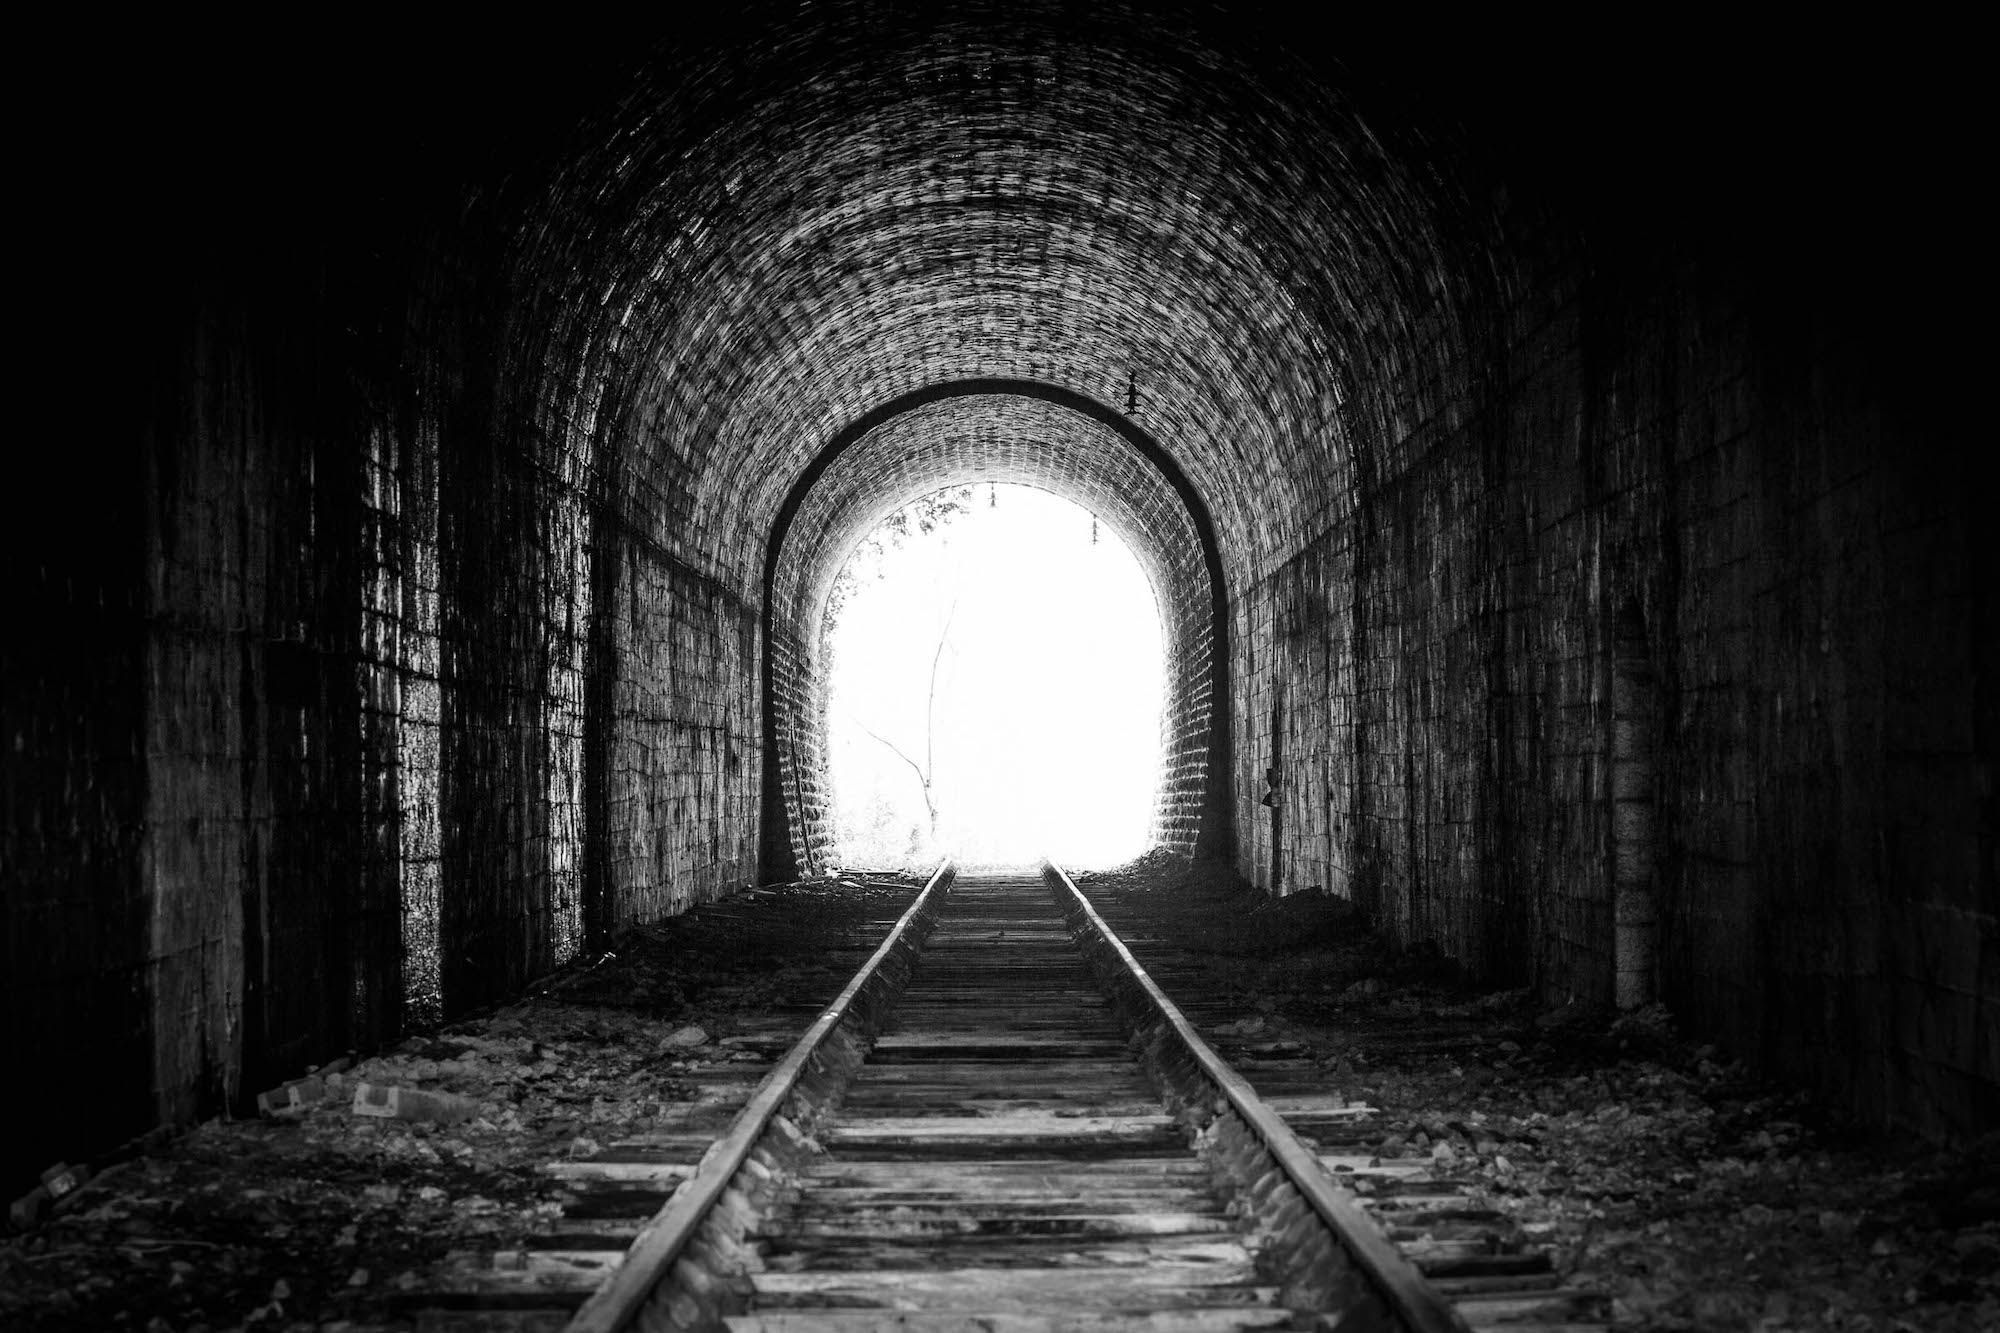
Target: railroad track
[(1003, 1124), (1437, 1215)]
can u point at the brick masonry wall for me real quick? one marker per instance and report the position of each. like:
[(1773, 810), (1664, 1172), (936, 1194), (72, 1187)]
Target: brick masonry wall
[(295, 734), (797, 830), (246, 858), (1769, 494), (405, 596), (75, 924), (684, 763)]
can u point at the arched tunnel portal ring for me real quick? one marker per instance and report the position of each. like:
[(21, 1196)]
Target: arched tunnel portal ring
[(785, 852)]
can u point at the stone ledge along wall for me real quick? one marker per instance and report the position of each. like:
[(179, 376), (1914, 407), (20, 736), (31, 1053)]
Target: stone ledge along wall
[(396, 629)]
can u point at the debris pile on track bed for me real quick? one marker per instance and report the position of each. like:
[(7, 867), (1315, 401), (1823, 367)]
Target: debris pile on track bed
[(1656, 1169), (324, 1216)]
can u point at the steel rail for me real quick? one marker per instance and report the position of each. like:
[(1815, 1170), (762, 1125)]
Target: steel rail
[(1405, 1289), (612, 1307)]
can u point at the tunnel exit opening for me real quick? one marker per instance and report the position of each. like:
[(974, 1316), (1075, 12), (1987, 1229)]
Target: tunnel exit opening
[(994, 686)]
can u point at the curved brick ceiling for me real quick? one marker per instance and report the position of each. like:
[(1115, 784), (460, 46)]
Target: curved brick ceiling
[(783, 235), (990, 437)]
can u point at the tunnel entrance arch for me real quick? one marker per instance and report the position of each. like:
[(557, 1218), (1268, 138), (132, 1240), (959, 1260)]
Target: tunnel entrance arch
[(997, 430)]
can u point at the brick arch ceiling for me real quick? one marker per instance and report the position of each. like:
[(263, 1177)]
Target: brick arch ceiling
[(775, 229), (769, 234), (977, 432)]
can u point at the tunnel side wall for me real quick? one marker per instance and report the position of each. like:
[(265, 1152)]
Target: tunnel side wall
[(798, 828), (1770, 491), (73, 915), (1191, 804), (682, 772), (225, 899), (304, 689)]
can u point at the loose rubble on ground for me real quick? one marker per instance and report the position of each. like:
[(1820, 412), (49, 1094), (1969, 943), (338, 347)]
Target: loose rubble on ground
[(325, 1215), (1657, 1168)]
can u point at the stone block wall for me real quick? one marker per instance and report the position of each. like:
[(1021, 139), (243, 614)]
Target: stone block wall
[(685, 741), (75, 921), (798, 829), (232, 527), (299, 741), (1748, 505)]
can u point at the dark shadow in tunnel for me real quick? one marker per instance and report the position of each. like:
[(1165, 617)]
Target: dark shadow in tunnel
[(1215, 838)]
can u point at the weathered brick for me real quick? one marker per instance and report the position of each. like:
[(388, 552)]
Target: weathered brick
[(396, 626)]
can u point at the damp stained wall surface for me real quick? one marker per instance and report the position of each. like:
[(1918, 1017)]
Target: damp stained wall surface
[(1820, 637), (394, 628)]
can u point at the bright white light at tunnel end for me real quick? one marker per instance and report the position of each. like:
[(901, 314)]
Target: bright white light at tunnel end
[(1047, 728)]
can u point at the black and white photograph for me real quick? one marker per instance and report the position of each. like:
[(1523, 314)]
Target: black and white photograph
[(1118, 666)]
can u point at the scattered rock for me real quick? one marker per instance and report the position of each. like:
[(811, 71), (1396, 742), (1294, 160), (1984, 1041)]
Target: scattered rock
[(400, 1103), (684, 1038), (1245, 1027)]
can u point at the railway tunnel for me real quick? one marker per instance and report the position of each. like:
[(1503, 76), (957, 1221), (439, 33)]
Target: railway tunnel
[(1555, 472)]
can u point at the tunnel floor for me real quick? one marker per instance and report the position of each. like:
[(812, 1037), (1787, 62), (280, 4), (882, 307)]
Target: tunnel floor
[(1654, 1171)]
